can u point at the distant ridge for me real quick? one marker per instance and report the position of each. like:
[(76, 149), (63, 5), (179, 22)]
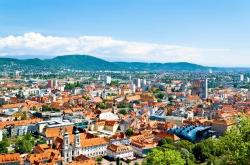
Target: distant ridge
[(90, 63)]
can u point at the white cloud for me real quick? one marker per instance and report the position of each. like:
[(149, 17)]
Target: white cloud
[(102, 47)]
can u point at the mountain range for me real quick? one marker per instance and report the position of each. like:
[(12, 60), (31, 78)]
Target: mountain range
[(90, 63)]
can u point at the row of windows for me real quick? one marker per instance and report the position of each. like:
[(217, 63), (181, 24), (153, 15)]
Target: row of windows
[(96, 154)]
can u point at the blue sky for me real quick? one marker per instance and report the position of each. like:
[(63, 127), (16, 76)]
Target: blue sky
[(209, 32)]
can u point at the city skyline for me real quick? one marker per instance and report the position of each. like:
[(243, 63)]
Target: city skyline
[(209, 33)]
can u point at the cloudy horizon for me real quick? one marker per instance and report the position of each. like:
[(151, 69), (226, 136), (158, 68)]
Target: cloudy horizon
[(36, 45), (211, 33)]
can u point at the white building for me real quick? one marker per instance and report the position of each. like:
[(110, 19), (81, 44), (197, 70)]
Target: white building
[(248, 79), (108, 79), (120, 151), (242, 77), (108, 116), (92, 147), (138, 83)]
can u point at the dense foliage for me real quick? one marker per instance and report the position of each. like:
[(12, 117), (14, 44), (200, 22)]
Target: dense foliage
[(102, 105), (25, 144), (232, 148), (129, 132), (4, 144), (124, 105), (46, 108), (70, 86)]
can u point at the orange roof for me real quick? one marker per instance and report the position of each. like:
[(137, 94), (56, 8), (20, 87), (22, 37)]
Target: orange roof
[(58, 131), (119, 148), (132, 98), (89, 114), (81, 159), (193, 98), (68, 111), (17, 105), (146, 139), (93, 142), (169, 135), (19, 123), (49, 154), (110, 123), (41, 148), (8, 158)]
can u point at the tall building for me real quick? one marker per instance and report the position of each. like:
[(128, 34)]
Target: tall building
[(17, 74), (137, 82), (242, 77), (108, 79), (248, 79), (50, 84), (55, 83), (200, 88)]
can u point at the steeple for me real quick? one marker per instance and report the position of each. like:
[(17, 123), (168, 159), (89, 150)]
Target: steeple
[(65, 140), (77, 139), (67, 149)]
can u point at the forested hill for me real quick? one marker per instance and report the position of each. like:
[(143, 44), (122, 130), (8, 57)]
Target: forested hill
[(90, 63)]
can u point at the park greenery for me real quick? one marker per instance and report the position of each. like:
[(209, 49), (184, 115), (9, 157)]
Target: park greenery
[(123, 111), (232, 148), (124, 105), (129, 132), (114, 83), (102, 105), (4, 144), (46, 108), (24, 144), (70, 86)]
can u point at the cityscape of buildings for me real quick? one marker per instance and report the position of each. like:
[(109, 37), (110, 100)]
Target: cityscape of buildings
[(124, 82), (80, 117)]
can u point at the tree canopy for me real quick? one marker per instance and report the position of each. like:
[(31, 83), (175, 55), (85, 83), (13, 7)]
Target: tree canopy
[(25, 143), (3, 146), (232, 148), (164, 157)]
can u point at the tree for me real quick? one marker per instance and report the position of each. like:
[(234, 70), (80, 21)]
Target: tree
[(232, 148), (24, 115), (160, 95), (102, 105), (185, 144), (99, 160), (235, 143), (123, 112), (3, 146), (129, 132), (114, 83), (201, 152), (164, 157), (46, 108), (40, 141), (123, 105), (166, 140), (25, 144)]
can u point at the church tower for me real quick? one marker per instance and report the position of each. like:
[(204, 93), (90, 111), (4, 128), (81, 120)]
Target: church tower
[(67, 149), (77, 143)]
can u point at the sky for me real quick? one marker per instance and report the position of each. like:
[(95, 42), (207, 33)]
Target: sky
[(207, 32)]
